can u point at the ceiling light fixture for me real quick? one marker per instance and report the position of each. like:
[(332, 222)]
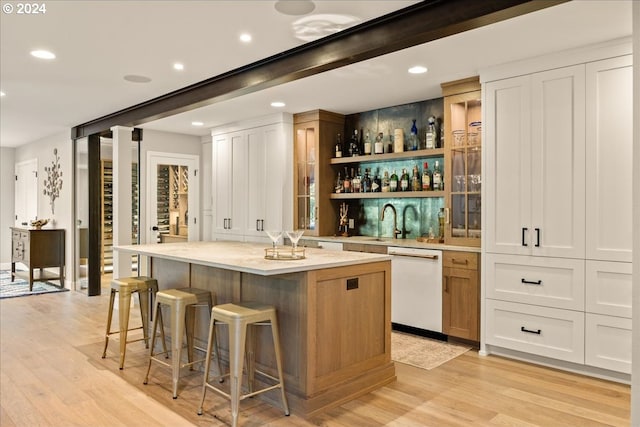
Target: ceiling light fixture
[(133, 78), (278, 104), (197, 124), (294, 7), (178, 66), (2, 94), (43, 54), (417, 69), (314, 27), (245, 37)]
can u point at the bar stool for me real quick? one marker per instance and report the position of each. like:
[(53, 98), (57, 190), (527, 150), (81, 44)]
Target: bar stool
[(126, 286), (239, 317), (179, 301)]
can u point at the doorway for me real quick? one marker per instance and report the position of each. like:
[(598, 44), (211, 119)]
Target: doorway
[(26, 192), (173, 201)]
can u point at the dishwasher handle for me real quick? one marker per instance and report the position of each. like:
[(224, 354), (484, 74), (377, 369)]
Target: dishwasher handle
[(433, 257)]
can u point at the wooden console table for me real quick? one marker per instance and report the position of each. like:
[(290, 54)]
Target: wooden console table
[(38, 249)]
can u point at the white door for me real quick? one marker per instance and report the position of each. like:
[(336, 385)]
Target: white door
[(185, 163), (26, 192)]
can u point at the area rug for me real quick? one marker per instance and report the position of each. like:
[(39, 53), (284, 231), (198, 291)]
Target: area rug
[(20, 287), (423, 352)]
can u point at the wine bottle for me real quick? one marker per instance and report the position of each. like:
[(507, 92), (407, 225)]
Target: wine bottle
[(437, 177), (404, 180), (378, 146), (366, 182), (393, 182), (376, 184), (367, 144), (431, 134), (426, 177), (414, 136), (356, 181), (339, 187), (386, 182), (346, 184), (416, 184), (338, 148), (354, 148)]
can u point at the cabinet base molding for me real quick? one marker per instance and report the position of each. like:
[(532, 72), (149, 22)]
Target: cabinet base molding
[(605, 374)]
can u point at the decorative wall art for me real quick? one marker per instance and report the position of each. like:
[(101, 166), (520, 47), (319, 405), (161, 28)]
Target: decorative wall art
[(53, 181)]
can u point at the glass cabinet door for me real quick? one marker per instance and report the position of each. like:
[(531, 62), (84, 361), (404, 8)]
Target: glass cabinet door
[(306, 177), (463, 141)]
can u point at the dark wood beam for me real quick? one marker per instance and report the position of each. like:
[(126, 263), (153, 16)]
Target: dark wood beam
[(421, 23)]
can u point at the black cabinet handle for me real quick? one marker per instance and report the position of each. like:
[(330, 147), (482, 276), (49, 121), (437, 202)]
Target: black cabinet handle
[(262, 225), (524, 231), (537, 237), (537, 332), (155, 228), (229, 219), (538, 282), (257, 225)]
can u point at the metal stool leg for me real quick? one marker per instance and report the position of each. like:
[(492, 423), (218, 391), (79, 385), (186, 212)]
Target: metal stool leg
[(112, 297), (237, 337), (276, 346), (124, 308)]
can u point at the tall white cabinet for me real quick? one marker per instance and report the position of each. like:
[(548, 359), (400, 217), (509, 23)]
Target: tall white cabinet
[(557, 248), (252, 178)]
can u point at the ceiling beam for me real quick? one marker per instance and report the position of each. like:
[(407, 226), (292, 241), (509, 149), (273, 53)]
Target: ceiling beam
[(421, 23)]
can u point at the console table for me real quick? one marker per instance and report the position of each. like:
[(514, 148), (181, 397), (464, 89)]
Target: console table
[(38, 249)]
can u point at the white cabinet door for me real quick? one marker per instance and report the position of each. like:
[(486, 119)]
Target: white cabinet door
[(608, 342), (608, 288), (508, 165), (229, 187), (534, 175), (609, 158), (558, 163)]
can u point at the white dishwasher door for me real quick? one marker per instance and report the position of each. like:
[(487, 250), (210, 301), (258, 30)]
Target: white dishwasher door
[(416, 288)]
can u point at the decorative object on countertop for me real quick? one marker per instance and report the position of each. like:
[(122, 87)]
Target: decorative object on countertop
[(39, 223), (53, 182), (344, 220), (276, 253)]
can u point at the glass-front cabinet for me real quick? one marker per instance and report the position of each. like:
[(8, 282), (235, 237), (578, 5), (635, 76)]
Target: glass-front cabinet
[(315, 133), (463, 159)]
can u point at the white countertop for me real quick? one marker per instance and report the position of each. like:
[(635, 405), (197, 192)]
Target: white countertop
[(389, 241), (249, 257)]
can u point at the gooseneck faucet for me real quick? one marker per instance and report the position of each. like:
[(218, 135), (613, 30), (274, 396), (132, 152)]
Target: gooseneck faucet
[(395, 219), (404, 219)]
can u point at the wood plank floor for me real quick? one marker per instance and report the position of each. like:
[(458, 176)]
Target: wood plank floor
[(51, 374)]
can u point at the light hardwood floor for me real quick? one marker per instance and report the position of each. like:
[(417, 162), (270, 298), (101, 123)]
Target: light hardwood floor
[(52, 375)]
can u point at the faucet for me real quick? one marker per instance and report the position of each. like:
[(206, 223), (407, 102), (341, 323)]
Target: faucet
[(404, 219), (395, 219)]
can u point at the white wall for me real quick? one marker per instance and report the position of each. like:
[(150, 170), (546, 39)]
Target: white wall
[(168, 143), (635, 370), (7, 213), (63, 216)]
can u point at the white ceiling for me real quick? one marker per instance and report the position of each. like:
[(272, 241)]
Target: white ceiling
[(99, 42)]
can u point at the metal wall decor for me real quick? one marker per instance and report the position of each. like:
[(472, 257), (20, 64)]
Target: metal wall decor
[(53, 181)]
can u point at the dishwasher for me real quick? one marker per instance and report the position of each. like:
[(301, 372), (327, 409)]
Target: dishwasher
[(416, 288)]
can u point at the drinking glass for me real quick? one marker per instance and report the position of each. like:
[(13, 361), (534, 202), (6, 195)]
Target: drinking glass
[(274, 235), (294, 236)]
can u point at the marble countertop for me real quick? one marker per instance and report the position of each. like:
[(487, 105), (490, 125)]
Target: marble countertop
[(249, 257), (389, 241)]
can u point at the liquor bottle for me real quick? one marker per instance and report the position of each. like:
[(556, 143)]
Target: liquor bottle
[(416, 184), (361, 142), (338, 148), (386, 182), (437, 178), (367, 144), (376, 184), (339, 187), (426, 178), (356, 180), (346, 184), (389, 148), (378, 146), (354, 148), (414, 136), (393, 182), (404, 180), (366, 182), (430, 141), (441, 224)]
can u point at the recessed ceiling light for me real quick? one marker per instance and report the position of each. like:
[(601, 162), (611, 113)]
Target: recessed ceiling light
[(295, 7), (418, 69), (3, 94), (245, 37), (278, 104), (178, 66), (133, 78), (197, 124), (43, 54)]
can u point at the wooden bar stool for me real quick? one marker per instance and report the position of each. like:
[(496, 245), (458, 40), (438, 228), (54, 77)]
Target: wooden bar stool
[(182, 304), (239, 317), (126, 286)]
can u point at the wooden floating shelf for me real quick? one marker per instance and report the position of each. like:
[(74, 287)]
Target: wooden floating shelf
[(391, 195), (405, 155)]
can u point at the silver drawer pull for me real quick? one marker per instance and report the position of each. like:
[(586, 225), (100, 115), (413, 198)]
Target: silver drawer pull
[(537, 332), (537, 282)]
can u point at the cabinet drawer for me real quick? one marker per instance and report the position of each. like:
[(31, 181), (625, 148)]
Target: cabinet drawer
[(544, 331), (608, 288), (608, 342), (552, 282), (460, 260)]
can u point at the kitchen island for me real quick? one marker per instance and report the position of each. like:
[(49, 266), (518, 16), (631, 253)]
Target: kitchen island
[(334, 310)]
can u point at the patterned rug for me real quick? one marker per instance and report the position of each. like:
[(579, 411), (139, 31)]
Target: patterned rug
[(20, 287), (423, 352)]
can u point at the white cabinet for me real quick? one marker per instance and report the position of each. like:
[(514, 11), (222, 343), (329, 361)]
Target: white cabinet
[(251, 167), (535, 164), (609, 159)]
